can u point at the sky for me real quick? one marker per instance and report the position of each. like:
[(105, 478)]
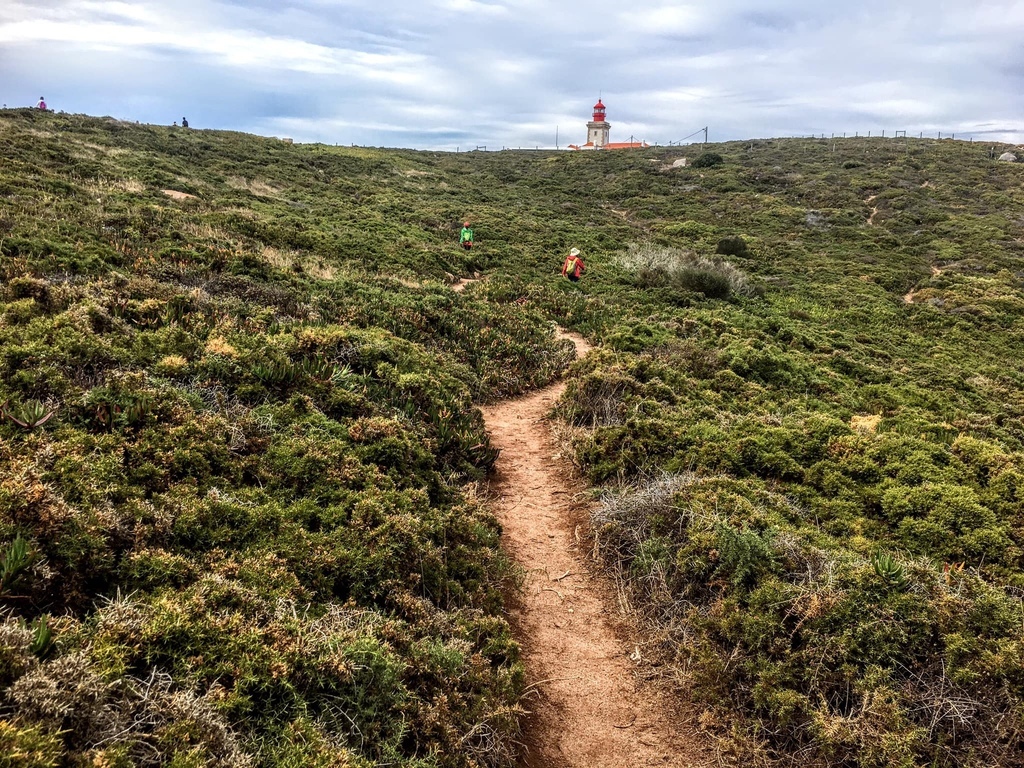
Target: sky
[(462, 74)]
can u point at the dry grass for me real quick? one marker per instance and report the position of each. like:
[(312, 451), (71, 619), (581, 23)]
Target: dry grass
[(203, 231), (132, 186), (99, 149), (865, 425), (654, 265), (217, 345), (253, 186), (69, 695), (298, 261)]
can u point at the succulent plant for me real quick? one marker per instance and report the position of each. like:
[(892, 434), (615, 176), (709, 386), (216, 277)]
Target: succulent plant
[(13, 563), (890, 571), (276, 372), (28, 415), (42, 638)]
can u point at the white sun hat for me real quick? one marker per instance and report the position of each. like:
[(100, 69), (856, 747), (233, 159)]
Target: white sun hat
[(574, 252)]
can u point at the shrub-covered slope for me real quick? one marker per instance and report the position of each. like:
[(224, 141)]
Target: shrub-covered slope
[(238, 426), (821, 489), (232, 453)]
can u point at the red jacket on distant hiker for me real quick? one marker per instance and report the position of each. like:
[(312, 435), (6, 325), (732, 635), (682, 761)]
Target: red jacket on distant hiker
[(573, 267)]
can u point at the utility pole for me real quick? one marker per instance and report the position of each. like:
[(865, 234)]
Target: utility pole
[(705, 134), (556, 137)]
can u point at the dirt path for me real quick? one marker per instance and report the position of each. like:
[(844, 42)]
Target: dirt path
[(912, 293), (586, 710), (874, 210), (461, 284)]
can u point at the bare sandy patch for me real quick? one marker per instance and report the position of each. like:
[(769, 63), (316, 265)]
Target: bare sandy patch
[(176, 195)]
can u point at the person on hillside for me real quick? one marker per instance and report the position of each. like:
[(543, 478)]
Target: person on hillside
[(42, 104), (573, 267), (184, 123), (466, 236)]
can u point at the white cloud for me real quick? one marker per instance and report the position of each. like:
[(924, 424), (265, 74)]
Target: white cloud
[(667, 20), (473, 6), (505, 72)]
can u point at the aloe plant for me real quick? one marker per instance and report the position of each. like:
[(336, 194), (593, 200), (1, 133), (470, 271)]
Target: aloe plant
[(106, 413), (28, 415), (890, 571), (13, 563), (134, 413), (276, 372), (42, 638)]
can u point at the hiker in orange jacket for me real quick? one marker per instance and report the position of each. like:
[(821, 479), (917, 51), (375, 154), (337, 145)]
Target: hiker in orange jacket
[(573, 267)]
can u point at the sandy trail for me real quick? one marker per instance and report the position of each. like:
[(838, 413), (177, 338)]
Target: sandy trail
[(912, 293), (585, 707), (874, 210)]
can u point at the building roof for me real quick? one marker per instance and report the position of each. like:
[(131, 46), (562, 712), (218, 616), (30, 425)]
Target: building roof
[(612, 145)]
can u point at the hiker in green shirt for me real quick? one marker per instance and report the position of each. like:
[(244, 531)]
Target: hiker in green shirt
[(466, 237)]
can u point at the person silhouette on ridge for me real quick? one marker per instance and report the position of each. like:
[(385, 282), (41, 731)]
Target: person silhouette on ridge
[(466, 236), (42, 104), (184, 123)]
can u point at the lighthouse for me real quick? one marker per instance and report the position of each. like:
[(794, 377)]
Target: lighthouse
[(598, 128)]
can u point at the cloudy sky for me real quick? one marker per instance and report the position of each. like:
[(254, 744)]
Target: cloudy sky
[(449, 74)]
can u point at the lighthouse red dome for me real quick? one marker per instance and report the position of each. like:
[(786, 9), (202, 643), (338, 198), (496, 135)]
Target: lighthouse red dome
[(599, 112)]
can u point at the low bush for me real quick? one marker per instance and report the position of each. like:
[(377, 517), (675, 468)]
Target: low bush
[(732, 246), (708, 160), (810, 639)]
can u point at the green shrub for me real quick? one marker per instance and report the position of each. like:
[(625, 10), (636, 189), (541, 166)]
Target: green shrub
[(708, 160), (732, 246)]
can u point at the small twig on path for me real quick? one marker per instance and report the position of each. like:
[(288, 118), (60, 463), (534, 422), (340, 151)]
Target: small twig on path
[(549, 589), (564, 575), (531, 686), (513, 507), (627, 725)]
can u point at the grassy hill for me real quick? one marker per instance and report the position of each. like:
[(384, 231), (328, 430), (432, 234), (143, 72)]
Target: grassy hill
[(238, 444)]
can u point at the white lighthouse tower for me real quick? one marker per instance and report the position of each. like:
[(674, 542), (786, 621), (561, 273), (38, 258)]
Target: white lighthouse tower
[(598, 128)]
